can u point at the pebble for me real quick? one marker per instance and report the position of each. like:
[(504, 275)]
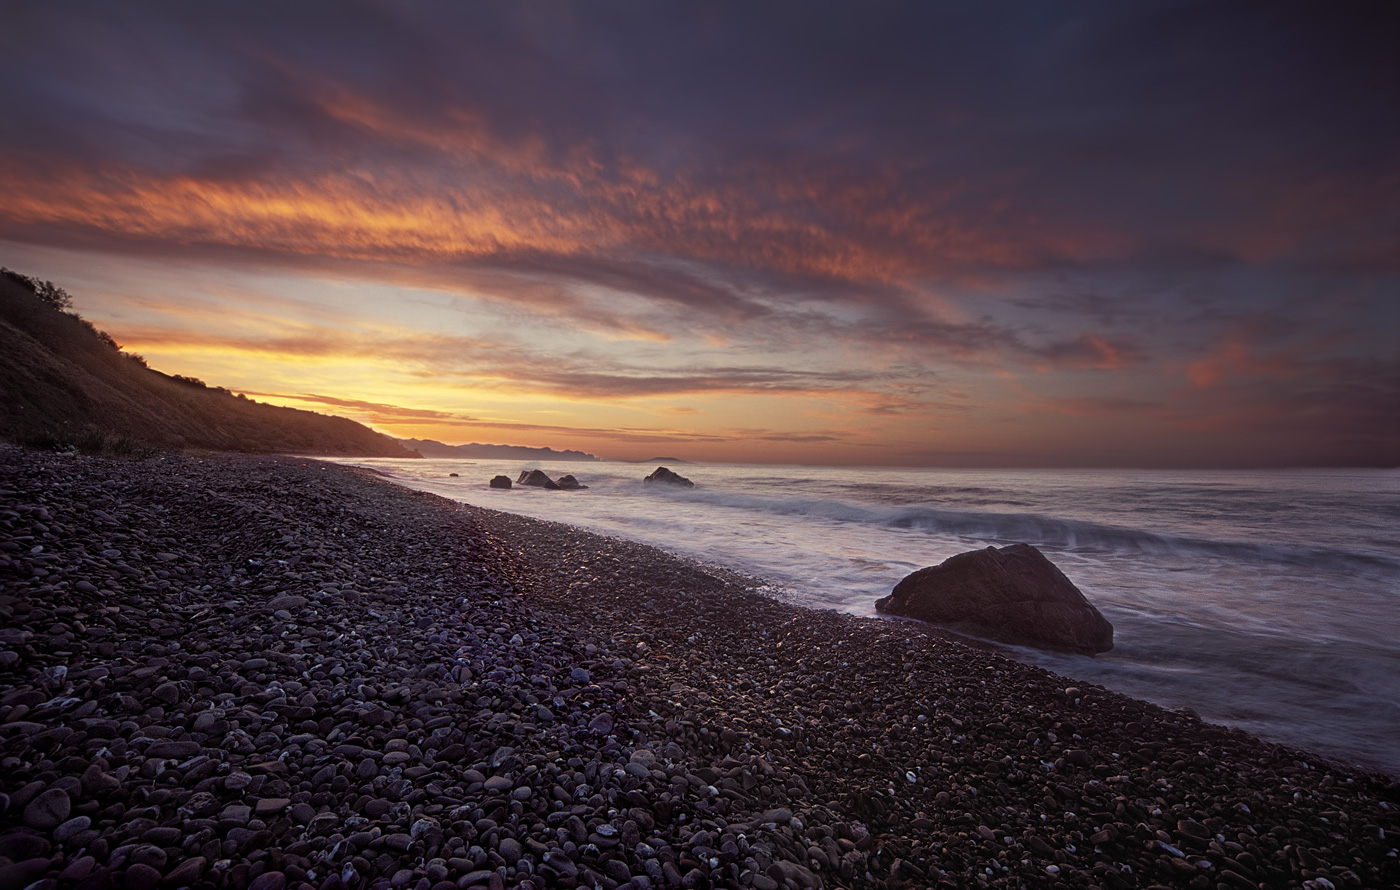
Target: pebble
[(237, 780), (270, 806), (140, 877), (166, 693), (269, 880), (48, 810), (71, 829), (78, 869), (187, 872), (510, 850)]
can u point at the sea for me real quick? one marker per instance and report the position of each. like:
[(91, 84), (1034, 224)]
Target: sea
[(1265, 600)]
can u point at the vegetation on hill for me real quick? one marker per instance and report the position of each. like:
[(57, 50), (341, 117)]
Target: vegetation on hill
[(66, 385)]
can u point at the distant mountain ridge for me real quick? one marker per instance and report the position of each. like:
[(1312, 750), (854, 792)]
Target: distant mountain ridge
[(64, 381), (432, 448)]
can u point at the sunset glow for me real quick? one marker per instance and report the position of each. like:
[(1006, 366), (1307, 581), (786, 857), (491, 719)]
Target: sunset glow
[(1094, 236)]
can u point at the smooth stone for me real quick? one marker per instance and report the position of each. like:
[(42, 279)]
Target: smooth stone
[(24, 845), (269, 880), (23, 873), (237, 813), (1192, 828), (71, 829), (186, 873), (149, 854), (48, 810), (78, 869), (270, 806), (378, 808), (510, 851), (168, 750), (237, 781), (141, 877), (163, 836)]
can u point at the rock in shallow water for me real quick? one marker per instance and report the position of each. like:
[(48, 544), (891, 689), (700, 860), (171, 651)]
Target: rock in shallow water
[(537, 478), (1012, 594), (661, 474)]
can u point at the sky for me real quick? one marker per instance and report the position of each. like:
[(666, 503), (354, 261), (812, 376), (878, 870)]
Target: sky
[(1082, 234)]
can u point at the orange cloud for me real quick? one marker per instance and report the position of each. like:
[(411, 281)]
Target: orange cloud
[(449, 188)]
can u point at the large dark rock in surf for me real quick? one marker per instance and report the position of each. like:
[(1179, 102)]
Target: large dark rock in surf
[(500, 482), (569, 483), (1012, 595), (537, 478), (661, 474)]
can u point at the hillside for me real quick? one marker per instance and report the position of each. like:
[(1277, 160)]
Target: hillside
[(61, 378)]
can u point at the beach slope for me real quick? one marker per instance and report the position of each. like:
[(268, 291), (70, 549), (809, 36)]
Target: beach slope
[(267, 672)]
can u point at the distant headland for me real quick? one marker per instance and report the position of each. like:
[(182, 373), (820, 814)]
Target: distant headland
[(432, 448)]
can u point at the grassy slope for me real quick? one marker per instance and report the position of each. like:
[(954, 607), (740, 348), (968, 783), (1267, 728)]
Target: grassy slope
[(57, 375)]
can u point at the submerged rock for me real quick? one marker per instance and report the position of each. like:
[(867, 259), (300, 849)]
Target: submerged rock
[(537, 478), (661, 474), (1012, 594), (569, 483), (500, 482)]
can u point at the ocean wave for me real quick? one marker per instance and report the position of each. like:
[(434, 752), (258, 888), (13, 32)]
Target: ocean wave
[(1048, 532)]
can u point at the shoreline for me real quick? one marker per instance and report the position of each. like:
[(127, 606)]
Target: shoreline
[(684, 731)]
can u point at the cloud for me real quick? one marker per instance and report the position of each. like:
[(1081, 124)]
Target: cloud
[(871, 208), (1092, 352), (378, 410)]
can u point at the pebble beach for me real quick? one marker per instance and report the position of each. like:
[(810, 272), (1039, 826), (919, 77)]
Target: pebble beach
[(228, 671)]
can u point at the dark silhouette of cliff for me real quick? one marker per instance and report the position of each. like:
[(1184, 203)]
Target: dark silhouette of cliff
[(63, 383)]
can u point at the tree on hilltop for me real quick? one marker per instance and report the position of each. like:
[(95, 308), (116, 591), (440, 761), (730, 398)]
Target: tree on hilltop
[(47, 291)]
